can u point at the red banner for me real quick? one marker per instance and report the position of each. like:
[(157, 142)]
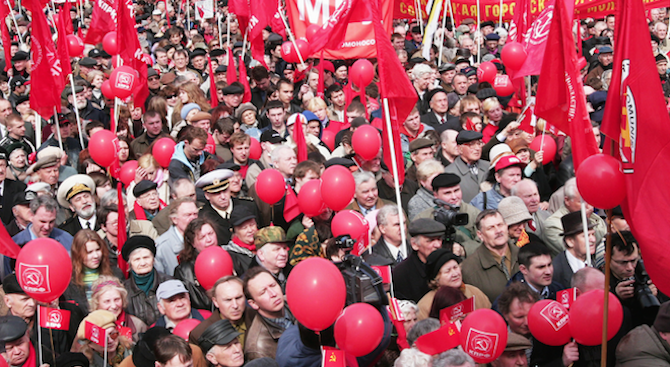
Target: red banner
[(333, 357), (95, 333), (53, 318), (359, 41)]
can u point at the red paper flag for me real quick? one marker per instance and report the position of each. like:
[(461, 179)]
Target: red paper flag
[(394, 86), (333, 357), (231, 73), (53, 318), (451, 314), (122, 236), (213, 95), (394, 309), (560, 95), (440, 340), (291, 209), (241, 10), (46, 66), (384, 272), (103, 21), (6, 39), (63, 53), (130, 50), (566, 297), (299, 137), (8, 247), (527, 120), (95, 333), (245, 81), (637, 121)]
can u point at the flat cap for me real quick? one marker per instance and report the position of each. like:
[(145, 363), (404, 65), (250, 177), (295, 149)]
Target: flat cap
[(45, 162), (420, 143), (492, 37), (10, 285), (437, 259), (11, 328), (269, 235), (221, 69), (20, 56), (445, 180), (198, 52), (338, 161), (514, 210), (22, 98), (516, 342), (241, 214), (426, 227), (447, 66), (137, 242), (487, 23), (429, 96), (151, 72), (215, 181), (88, 62), (221, 332), (605, 50), (94, 53), (68, 91), (217, 52), (466, 136), (170, 288), (144, 186), (485, 93), (232, 89), (200, 116)]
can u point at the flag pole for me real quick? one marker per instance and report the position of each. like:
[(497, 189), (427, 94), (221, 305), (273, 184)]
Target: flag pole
[(500, 23), (292, 37), (479, 39), (106, 362), (585, 224), (38, 130), (218, 26), (188, 15), (444, 29), (227, 31), (451, 15), (16, 24), (39, 332), (608, 256), (419, 15), (394, 165), (244, 42), (76, 113), (60, 138)]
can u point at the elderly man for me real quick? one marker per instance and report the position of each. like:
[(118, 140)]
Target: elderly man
[(86, 109), (147, 202), (515, 352), (448, 151), (389, 246), (76, 193), (8, 190), (170, 243), (469, 166), (180, 188), (507, 174), (439, 106), (47, 170), (578, 247), (270, 139), (153, 129), (420, 150), (221, 345), (174, 304), (366, 196), (571, 203), (189, 155), (284, 160), (21, 212), (241, 246), (232, 95), (491, 266), (272, 253), (605, 58), (265, 296), (411, 281), (516, 216), (15, 341), (527, 190)]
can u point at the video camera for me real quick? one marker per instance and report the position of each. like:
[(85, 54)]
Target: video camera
[(448, 215)]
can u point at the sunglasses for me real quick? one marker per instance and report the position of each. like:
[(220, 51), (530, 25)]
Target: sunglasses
[(172, 96), (153, 78)]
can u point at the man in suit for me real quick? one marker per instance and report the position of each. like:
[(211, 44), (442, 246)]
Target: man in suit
[(526, 189), (366, 196), (439, 105), (469, 166), (76, 193), (390, 244), (573, 259), (8, 189)]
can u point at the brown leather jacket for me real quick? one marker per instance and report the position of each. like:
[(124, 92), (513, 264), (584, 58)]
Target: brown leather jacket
[(262, 339)]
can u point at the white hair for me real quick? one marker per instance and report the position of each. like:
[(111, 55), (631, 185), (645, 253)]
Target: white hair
[(412, 357), (419, 70)]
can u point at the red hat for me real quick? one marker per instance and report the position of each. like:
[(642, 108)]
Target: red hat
[(508, 161), (328, 66)]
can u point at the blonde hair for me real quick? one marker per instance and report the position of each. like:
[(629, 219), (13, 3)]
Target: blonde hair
[(147, 161), (316, 103), (92, 74), (489, 104), (428, 168), (103, 284)]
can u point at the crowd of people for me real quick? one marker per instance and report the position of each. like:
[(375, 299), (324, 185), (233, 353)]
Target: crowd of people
[(483, 214)]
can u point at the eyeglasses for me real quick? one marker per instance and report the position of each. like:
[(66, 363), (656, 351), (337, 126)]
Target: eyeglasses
[(172, 96), (474, 144), (152, 79)]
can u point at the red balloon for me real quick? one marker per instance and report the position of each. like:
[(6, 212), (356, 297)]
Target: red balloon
[(270, 186), (185, 327), (586, 317), (328, 138), (311, 30), (503, 85), (109, 43), (362, 72), (303, 47), (255, 150), (601, 181), (288, 52), (123, 80), (309, 199), (210, 147), (163, 150), (339, 183), (548, 147), (548, 322), (513, 55), (75, 45), (127, 174), (106, 89), (366, 142), (316, 293), (359, 330), (103, 147), (212, 264), (43, 269), (484, 335), (352, 223), (486, 72)]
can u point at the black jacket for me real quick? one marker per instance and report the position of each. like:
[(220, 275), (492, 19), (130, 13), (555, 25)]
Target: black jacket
[(410, 279), (380, 249), (223, 227), (186, 273), (145, 307), (562, 270), (72, 225), (7, 201)]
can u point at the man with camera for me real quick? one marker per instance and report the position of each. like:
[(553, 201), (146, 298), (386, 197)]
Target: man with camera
[(449, 205), (630, 281)]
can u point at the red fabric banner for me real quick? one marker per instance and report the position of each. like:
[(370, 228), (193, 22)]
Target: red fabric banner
[(231, 73), (241, 10), (63, 53), (261, 18), (130, 50), (213, 95), (103, 21), (53, 318), (245, 81), (6, 39), (8, 247), (637, 121), (560, 93), (359, 40)]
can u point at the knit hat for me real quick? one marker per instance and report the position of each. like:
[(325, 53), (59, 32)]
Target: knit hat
[(187, 108), (514, 210), (101, 318)]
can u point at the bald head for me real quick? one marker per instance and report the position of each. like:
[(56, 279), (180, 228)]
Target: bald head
[(588, 279)]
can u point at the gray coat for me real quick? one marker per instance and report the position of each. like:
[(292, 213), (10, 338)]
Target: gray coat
[(168, 246), (643, 346), (422, 200), (469, 182)]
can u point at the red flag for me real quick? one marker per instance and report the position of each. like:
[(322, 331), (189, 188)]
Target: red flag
[(291, 209), (6, 39), (299, 136), (262, 17), (637, 121), (46, 66), (8, 247), (534, 42), (384, 272), (394, 310), (95, 333), (276, 23), (333, 357), (69, 28), (440, 340), (527, 120), (331, 35), (394, 86), (131, 53), (451, 314), (122, 236), (560, 95), (62, 48), (566, 297), (53, 318), (520, 21), (103, 21), (213, 95), (241, 10), (245, 81), (231, 73)]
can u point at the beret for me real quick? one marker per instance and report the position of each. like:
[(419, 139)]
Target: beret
[(240, 215), (11, 285), (88, 62), (429, 96), (437, 259), (143, 187), (445, 180), (11, 328)]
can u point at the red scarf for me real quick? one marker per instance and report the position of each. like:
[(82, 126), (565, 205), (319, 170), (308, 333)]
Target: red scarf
[(32, 358), (249, 246), (403, 130), (139, 211)]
